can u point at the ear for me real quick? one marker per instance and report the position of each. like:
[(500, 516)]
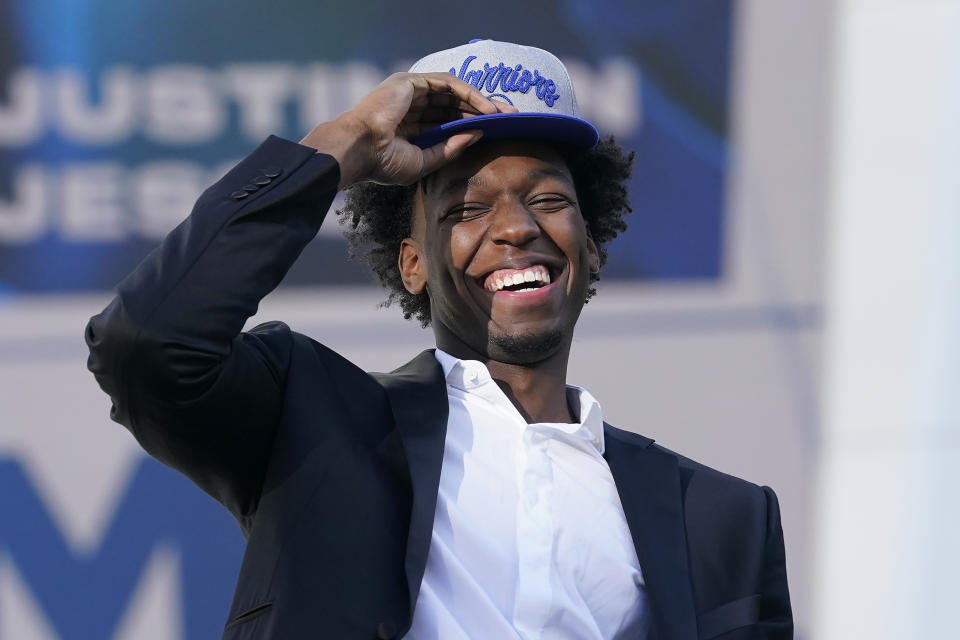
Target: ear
[(413, 269), (593, 254)]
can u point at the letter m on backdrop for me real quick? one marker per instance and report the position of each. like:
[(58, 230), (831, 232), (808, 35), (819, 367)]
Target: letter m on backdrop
[(84, 595)]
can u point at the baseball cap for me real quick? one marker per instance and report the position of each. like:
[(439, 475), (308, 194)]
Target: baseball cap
[(531, 79)]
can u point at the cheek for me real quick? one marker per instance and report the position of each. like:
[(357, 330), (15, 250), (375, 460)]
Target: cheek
[(438, 248), (569, 233), (463, 243)]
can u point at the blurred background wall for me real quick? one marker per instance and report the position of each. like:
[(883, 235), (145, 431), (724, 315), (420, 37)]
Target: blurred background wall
[(728, 324)]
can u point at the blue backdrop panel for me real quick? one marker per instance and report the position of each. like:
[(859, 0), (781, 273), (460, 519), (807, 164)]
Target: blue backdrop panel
[(84, 596), (114, 115)]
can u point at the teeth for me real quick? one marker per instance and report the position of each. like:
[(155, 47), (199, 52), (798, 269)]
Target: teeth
[(537, 274)]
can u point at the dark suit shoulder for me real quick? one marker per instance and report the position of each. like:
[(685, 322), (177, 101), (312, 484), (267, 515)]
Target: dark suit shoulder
[(724, 499), (275, 337), (316, 365), (703, 479), (710, 474)]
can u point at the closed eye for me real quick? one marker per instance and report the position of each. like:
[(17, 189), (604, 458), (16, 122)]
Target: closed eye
[(551, 202), (464, 212)]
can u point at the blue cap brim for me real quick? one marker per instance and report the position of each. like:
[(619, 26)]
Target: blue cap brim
[(496, 126)]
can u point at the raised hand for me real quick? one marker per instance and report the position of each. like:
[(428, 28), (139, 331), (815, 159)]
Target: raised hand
[(371, 140)]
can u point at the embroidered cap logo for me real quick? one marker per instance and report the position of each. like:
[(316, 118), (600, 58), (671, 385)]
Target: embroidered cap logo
[(507, 79)]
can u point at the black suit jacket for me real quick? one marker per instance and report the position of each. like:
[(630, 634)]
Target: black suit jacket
[(333, 473)]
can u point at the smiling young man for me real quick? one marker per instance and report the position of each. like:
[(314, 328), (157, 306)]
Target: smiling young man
[(499, 238), (471, 493)]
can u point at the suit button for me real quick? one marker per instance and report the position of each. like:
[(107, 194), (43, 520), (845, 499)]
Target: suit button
[(386, 631), (261, 181), (249, 188), (239, 195), (272, 172)]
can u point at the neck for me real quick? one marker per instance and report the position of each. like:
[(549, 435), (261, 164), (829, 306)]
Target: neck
[(537, 388)]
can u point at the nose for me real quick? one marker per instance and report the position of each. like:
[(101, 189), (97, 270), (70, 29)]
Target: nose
[(512, 223)]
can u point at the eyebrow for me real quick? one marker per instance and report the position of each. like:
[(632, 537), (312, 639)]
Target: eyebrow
[(478, 182), (551, 172), (453, 184)]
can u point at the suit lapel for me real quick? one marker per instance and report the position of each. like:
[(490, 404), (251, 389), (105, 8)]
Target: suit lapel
[(418, 397), (648, 481)]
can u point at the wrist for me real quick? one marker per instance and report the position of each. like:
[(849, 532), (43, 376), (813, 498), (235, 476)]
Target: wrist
[(348, 140)]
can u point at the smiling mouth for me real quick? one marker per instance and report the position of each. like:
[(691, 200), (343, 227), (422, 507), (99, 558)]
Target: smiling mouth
[(518, 280)]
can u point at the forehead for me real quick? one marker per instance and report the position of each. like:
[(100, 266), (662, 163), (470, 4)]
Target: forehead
[(519, 158)]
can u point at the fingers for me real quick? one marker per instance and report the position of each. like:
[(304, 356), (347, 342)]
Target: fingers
[(439, 114), (503, 107), (428, 119), (431, 117), (434, 109), (454, 102), (410, 130), (406, 105), (440, 83), (440, 98), (443, 152)]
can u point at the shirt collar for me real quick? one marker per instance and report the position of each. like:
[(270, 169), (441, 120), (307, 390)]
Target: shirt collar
[(471, 375)]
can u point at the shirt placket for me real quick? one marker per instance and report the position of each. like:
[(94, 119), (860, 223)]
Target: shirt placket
[(535, 508), (534, 535)]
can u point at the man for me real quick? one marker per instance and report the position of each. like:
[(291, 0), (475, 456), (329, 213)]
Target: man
[(470, 493)]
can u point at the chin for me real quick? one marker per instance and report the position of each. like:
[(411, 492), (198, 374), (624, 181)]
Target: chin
[(527, 348)]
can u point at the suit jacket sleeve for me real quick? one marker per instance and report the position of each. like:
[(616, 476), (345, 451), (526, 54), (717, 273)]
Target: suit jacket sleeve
[(776, 617), (198, 394)]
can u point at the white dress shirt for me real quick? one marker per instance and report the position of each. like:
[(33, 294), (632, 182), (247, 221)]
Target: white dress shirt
[(529, 537)]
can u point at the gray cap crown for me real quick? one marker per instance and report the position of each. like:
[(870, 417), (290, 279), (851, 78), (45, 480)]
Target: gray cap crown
[(531, 79)]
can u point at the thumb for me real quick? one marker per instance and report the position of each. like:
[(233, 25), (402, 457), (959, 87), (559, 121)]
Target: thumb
[(443, 152)]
